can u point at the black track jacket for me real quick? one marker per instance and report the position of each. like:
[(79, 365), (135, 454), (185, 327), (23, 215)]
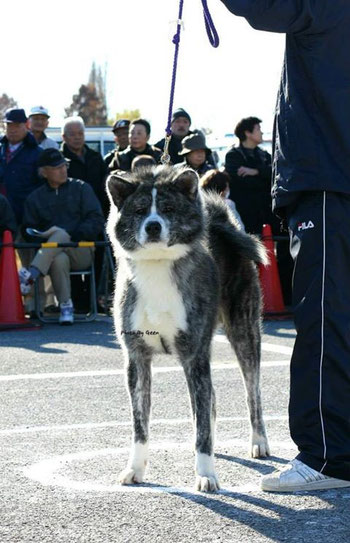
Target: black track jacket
[(312, 121)]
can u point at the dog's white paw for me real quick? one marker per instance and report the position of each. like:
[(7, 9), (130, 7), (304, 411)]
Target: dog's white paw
[(206, 478), (135, 469), (130, 476), (259, 446), (207, 484)]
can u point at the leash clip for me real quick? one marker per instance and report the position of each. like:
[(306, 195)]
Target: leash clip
[(165, 158)]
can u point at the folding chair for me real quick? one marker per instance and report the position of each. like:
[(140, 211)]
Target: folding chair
[(90, 316)]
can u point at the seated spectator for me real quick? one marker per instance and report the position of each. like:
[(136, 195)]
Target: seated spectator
[(195, 153), (38, 122), (141, 161), (139, 134), (216, 181), (7, 217), (63, 210), (120, 130)]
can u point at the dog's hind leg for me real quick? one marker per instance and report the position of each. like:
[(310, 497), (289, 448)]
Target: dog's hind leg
[(242, 326), (138, 374), (202, 397)]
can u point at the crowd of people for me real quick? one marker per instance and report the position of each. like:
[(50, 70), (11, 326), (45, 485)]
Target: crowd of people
[(60, 191)]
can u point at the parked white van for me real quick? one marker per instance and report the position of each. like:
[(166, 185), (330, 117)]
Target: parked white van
[(99, 138)]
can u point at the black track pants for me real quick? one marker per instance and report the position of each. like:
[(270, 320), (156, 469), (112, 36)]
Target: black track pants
[(319, 408)]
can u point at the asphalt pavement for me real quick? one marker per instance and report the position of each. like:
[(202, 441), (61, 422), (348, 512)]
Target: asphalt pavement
[(65, 433)]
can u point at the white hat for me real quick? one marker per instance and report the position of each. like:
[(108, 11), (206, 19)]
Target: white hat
[(39, 110)]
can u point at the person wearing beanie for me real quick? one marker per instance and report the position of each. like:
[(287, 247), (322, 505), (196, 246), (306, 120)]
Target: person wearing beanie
[(180, 128)]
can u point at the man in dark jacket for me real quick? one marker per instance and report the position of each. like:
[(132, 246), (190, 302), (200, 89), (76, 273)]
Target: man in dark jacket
[(180, 128), (312, 191), (19, 153), (120, 130), (63, 210), (139, 134), (84, 163)]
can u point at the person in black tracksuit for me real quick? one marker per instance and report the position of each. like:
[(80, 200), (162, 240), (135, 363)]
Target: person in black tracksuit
[(311, 169)]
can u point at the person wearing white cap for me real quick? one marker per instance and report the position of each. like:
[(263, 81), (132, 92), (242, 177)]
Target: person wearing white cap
[(38, 122)]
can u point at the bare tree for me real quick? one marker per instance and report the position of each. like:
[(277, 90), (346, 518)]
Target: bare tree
[(90, 102), (6, 102)]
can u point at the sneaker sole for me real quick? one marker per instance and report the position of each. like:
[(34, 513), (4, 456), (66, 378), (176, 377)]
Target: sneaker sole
[(326, 484)]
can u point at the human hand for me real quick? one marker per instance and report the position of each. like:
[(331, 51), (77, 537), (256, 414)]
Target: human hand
[(243, 171)]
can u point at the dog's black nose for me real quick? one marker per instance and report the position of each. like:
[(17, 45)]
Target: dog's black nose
[(153, 229)]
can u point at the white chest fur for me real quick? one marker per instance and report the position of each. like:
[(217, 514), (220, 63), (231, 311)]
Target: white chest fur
[(159, 310)]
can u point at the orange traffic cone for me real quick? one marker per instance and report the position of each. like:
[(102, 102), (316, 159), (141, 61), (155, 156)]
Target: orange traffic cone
[(270, 281), (11, 306)]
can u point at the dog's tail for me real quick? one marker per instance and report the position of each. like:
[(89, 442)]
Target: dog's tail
[(225, 233)]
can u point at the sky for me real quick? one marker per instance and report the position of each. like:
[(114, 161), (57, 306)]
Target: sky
[(48, 48)]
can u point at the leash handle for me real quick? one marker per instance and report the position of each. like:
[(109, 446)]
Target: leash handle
[(214, 40), (209, 26)]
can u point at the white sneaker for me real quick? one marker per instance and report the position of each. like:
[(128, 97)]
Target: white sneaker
[(67, 313), (297, 476), (25, 281)]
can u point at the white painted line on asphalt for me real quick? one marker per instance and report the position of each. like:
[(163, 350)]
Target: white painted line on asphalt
[(50, 472), (272, 348), (115, 424), (269, 347), (104, 373)]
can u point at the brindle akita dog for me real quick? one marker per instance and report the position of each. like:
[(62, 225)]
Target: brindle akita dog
[(183, 265)]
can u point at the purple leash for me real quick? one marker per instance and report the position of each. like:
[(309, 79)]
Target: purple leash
[(214, 41)]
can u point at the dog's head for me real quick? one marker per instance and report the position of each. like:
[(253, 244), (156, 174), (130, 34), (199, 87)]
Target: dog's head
[(156, 212)]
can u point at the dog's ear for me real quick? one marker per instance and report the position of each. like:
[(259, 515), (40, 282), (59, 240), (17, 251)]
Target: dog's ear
[(187, 183), (119, 187)]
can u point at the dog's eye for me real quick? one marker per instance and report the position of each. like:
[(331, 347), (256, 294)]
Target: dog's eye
[(168, 209), (141, 211)]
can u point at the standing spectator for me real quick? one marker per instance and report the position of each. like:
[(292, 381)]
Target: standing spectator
[(312, 192), (19, 153), (38, 122), (7, 217), (139, 134), (196, 153), (250, 171), (249, 168), (121, 137), (63, 209), (84, 163), (180, 128)]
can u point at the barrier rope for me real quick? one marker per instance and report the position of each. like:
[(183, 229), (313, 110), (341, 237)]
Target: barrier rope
[(55, 245), (214, 41)]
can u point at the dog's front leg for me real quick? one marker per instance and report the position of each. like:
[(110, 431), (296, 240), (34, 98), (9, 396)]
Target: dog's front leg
[(138, 374), (202, 398)]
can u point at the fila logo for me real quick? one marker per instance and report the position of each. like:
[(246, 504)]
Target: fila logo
[(305, 226)]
